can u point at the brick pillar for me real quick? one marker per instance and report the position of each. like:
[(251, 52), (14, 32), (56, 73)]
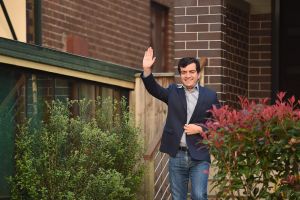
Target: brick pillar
[(260, 56), (218, 30), (198, 33), (236, 46)]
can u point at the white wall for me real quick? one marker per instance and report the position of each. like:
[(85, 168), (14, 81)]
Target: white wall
[(17, 12)]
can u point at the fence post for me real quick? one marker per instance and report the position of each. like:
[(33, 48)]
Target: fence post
[(149, 180), (150, 115)]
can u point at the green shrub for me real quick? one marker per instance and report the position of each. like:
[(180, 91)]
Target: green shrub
[(80, 157)]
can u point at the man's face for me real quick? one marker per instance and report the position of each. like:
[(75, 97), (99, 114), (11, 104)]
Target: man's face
[(189, 76)]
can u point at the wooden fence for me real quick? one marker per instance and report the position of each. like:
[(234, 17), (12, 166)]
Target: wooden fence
[(150, 115)]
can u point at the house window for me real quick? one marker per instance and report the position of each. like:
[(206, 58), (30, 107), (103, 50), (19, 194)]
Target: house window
[(159, 16), (12, 108), (92, 91)]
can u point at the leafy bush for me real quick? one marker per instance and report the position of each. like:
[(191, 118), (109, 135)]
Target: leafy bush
[(256, 149), (79, 157)]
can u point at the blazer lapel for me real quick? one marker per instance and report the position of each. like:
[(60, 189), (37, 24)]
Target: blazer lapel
[(181, 94), (200, 101)]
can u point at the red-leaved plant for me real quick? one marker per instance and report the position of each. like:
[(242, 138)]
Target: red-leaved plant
[(256, 149)]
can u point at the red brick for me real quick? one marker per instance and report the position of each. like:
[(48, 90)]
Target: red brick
[(260, 17), (197, 45), (209, 36), (253, 71), (266, 40), (264, 78), (259, 94), (216, 10), (265, 86), (179, 45), (260, 32), (213, 70), (254, 40), (185, 19), (265, 71), (109, 27), (216, 27), (210, 2), (179, 3), (260, 63), (254, 25), (179, 28), (210, 53), (185, 36), (214, 86), (254, 86), (179, 11), (266, 25), (216, 62), (260, 47), (254, 55), (196, 10), (215, 79), (196, 27), (185, 53), (216, 45), (209, 18), (266, 55)]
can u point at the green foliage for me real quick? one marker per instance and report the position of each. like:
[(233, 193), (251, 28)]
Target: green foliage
[(256, 150), (90, 156)]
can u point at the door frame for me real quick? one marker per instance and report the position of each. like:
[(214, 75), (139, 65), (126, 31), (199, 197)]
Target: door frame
[(275, 48)]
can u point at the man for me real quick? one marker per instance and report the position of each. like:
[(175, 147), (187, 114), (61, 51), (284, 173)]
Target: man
[(188, 104)]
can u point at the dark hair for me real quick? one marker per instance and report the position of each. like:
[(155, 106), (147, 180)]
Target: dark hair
[(183, 62)]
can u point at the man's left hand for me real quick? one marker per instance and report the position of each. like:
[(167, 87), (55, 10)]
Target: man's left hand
[(191, 129)]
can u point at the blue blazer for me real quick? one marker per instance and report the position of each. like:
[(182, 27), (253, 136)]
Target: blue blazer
[(174, 97)]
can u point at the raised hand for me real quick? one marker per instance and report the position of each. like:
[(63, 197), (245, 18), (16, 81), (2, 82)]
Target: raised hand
[(148, 61)]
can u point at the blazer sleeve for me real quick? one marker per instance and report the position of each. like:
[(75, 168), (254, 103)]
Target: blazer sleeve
[(155, 89)]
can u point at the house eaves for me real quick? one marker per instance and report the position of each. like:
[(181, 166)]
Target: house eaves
[(49, 60)]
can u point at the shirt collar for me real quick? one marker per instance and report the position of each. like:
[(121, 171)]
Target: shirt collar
[(182, 86)]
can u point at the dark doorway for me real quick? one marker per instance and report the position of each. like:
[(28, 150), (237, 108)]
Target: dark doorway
[(287, 46)]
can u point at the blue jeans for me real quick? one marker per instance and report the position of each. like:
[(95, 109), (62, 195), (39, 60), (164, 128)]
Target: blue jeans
[(181, 169)]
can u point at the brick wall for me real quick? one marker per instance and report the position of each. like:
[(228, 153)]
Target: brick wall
[(260, 56), (198, 33), (217, 29), (236, 42), (114, 31), (170, 33)]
